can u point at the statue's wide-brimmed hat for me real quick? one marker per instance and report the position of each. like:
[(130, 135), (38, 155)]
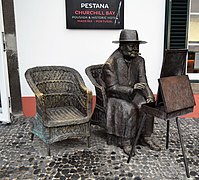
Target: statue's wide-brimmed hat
[(127, 35)]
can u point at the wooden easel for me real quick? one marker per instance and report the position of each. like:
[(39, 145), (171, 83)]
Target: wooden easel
[(178, 100)]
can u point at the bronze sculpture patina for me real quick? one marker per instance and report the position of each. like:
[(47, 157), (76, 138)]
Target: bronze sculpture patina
[(126, 86)]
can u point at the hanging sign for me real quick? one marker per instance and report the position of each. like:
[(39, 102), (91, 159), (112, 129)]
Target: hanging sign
[(95, 14)]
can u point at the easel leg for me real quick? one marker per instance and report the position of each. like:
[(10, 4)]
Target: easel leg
[(167, 138), (32, 136), (88, 141), (48, 150), (88, 138), (183, 149), (137, 137)]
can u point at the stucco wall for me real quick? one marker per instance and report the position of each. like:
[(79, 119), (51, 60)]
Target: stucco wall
[(42, 38)]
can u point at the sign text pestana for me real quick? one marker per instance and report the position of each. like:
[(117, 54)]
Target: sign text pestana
[(94, 5)]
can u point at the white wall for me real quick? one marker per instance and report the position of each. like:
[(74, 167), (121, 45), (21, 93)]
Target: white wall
[(42, 38)]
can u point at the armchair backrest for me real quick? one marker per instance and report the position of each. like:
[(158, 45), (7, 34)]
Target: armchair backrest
[(94, 73), (63, 82), (53, 79)]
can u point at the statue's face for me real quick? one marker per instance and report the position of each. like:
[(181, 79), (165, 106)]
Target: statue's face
[(130, 49)]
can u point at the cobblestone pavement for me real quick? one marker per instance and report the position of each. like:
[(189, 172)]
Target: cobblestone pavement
[(20, 158)]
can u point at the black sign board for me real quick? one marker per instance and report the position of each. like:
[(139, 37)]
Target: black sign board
[(95, 14)]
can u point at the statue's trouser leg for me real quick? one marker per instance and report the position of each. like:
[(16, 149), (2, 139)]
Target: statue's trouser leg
[(148, 127)]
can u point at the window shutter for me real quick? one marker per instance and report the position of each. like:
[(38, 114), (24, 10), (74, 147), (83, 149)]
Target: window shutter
[(176, 23)]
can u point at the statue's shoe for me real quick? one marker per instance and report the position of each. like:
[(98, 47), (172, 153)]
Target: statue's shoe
[(127, 150), (151, 143)]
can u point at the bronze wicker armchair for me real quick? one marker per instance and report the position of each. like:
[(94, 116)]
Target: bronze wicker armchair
[(99, 115), (63, 104)]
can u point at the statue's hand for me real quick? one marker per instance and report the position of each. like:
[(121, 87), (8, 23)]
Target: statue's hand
[(140, 85), (149, 99)]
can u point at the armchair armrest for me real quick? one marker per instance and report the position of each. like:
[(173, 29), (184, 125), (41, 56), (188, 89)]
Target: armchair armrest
[(85, 99), (31, 83), (101, 95), (38, 94)]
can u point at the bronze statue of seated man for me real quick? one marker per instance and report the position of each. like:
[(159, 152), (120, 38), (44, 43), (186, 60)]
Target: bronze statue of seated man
[(127, 89)]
